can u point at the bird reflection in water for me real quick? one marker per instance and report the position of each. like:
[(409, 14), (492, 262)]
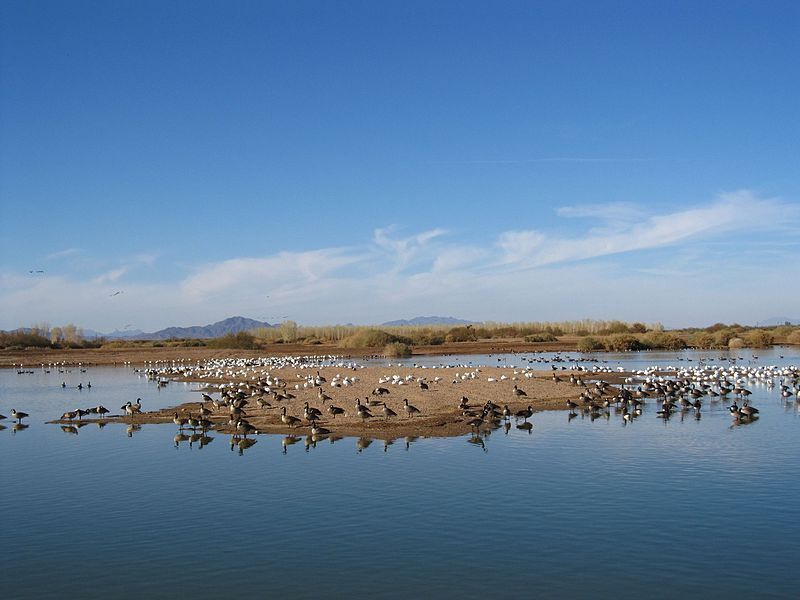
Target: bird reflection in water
[(242, 443), (526, 426), (506, 427), (410, 439), (289, 440), (179, 438), (363, 443), (133, 428), (743, 421), (477, 440), (18, 427), (69, 429), (386, 444)]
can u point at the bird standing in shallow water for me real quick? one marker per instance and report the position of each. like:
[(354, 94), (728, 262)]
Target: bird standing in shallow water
[(525, 414), (18, 415)]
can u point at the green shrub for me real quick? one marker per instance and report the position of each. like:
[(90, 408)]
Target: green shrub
[(758, 338), (589, 344), (541, 337), (663, 341), (372, 338), (703, 341), (461, 334), (397, 350), (241, 340), (622, 342)]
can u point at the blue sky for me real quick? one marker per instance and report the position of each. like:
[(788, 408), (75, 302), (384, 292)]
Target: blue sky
[(367, 161)]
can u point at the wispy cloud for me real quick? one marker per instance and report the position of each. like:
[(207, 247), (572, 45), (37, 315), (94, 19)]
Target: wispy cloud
[(404, 250), (736, 211), (613, 211), (393, 274), (111, 276), (63, 253)]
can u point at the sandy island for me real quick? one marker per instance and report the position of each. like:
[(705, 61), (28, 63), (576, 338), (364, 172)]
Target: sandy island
[(438, 405)]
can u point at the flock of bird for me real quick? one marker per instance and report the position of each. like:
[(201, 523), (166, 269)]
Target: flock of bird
[(252, 382)]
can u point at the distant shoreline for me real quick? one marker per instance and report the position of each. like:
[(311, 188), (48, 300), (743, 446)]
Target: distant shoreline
[(34, 357)]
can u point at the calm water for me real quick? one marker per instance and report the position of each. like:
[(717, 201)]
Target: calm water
[(576, 508)]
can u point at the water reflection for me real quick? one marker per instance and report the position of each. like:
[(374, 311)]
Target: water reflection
[(289, 440), (133, 428), (363, 443), (477, 440), (19, 427), (526, 426), (71, 429)]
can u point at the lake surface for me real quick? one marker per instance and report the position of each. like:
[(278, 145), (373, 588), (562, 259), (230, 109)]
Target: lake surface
[(575, 508)]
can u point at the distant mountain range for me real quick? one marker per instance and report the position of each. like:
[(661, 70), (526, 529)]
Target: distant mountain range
[(220, 328), (237, 324), (427, 321)]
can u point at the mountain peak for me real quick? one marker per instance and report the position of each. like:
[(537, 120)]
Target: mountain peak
[(427, 321)]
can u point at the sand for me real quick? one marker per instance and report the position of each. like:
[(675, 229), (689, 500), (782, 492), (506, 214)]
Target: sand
[(439, 412)]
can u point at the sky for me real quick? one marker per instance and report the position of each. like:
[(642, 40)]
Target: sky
[(177, 163)]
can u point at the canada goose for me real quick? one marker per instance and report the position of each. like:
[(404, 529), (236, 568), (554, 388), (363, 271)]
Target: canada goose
[(506, 412), (362, 411), (204, 423), (317, 430), (525, 414), (323, 397), (101, 410), (423, 385), (379, 391), (475, 423), (192, 422), (69, 416), (244, 428), (180, 422), (18, 415), (310, 413), (518, 392), (748, 411), (388, 412), (410, 409), (335, 410), (288, 419), (207, 398)]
